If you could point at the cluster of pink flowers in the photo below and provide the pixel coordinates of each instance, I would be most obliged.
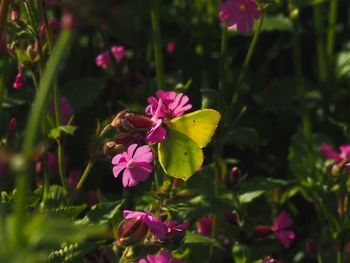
(162, 257)
(239, 14)
(157, 226)
(136, 162)
(103, 60)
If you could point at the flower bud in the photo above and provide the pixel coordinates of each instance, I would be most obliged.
(19, 81)
(111, 148)
(128, 122)
(233, 178)
(15, 14)
(262, 231)
(131, 231)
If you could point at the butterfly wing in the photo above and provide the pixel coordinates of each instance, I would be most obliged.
(179, 155)
(199, 125)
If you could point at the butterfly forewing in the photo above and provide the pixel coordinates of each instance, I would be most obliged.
(199, 125)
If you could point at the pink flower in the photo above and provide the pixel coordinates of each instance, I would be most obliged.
(162, 257)
(205, 225)
(65, 109)
(175, 228)
(103, 60)
(157, 133)
(19, 81)
(118, 53)
(170, 48)
(173, 104)
(155, 224)
(282, 222)
(269, 259)
(240, 13)
(136, 164)
(329, 153)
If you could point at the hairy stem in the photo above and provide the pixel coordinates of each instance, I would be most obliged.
(332, 21)
(4, 7)
(320, 46)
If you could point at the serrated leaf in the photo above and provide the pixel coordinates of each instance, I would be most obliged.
(69, 211)
(102, 213)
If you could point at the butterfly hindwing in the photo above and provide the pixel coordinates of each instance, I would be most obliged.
(179, 155)
(199, 125)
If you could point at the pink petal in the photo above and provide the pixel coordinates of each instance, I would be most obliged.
(282, 221)
(156, 225)
(133, 214)
(345, 151)
(117, 169)
(286, 237)
(143, 154)
(329, 153)
(131, 150)
(118, 158)
(128, 181)
(156, 134)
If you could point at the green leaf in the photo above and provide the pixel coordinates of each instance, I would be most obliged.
(55, 133)
(102, 213)
(243, 136)
(277, 23)
(194, 238)
(69, 211)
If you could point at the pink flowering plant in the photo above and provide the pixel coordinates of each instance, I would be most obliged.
(174, 131)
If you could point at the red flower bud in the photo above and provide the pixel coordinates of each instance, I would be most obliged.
(233, 178)
(131, 231)
(129, 122)
(139, 121)
(262, 231)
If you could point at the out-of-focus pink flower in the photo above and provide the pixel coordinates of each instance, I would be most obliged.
(162, 257)
(103, 60)
(205, 225)
(19, 81)
(54, 28)
(73, 179)
(157, 133)
(65, 108)
(51, 2)
(282, 222)
(170, 48)
(269, 259)
(175, 227)
(155, 224)
(118, 53)
(329, 153)
(239, 13)
(173, 104)
(136, 164)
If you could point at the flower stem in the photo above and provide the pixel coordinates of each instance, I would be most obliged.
(85, 174)
(321, 56)
(157, 43)
(332, 21)
(248, 57)
(223, 59)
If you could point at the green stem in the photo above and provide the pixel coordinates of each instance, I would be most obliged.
(157, 43)
(213, 236)
(339, 256)
(320, 46)
(332, 21)
(223, 58)
(85, 174)
(61, 168)
(4, 6)
(248, 57)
